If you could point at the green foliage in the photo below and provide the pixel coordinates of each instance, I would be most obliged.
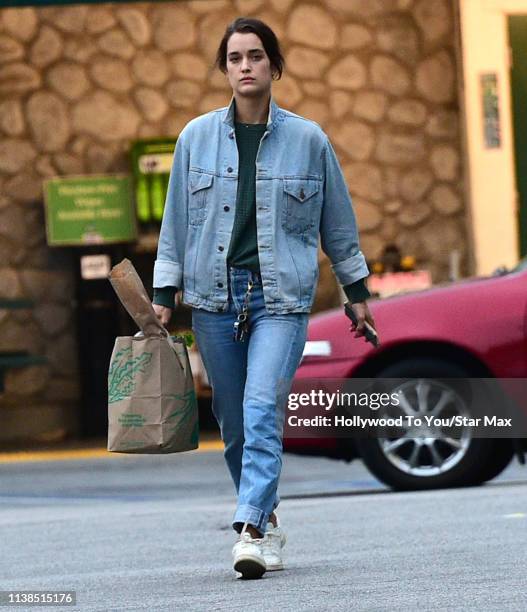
(188, 337)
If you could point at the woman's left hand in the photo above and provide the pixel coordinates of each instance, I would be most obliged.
(363, 315)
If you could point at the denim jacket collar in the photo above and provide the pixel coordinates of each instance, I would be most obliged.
(229, 115)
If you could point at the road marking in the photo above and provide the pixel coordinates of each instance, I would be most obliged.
(86, 453)
(515, 515)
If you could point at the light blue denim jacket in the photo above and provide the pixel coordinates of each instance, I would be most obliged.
(301, 194)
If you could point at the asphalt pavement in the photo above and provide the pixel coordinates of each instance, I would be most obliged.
(153, 533)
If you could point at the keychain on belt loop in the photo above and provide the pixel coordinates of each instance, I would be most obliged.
(241, 325)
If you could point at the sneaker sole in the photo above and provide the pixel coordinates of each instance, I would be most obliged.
(249, 567)
(275, 568)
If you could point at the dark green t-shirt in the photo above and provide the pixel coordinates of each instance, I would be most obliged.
(243, 249)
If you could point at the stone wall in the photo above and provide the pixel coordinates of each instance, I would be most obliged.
(78, 83)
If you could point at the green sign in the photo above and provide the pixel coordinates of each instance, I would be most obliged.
(89, 210)
(151, 165)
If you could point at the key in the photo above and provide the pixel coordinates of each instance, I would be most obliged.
(240, 328)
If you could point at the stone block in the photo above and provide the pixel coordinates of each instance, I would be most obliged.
(116, 42)
(370, 105)
(312, 25)
(15, 153)
(102, 116)
(136, 24)
(48, 121)
(150, 67)
(18, 78)
(436, 78)
(112, 74)
(348, 73)
(68, 79)
(400, 148)
(47, 47)
(11, 117)
(389, 75)
(21, 23)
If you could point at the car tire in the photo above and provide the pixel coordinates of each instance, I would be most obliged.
(500, 457)
(462, 468)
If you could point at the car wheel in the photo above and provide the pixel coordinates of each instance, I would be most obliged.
(435, 458)
(500, 457)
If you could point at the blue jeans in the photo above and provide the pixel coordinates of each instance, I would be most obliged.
(250, 381)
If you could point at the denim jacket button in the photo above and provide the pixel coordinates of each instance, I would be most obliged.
(220, 248)
(229, 169)
(226, 208)
(220, 285)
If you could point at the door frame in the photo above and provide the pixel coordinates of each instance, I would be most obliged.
(517, 27)
(490, 172)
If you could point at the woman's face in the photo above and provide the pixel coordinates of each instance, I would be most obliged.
(248, 66)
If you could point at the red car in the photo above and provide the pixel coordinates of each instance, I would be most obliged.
(472, 329)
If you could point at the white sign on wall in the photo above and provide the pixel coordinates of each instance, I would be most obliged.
(95, 266)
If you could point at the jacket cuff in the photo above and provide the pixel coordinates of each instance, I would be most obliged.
(165, 296)
(351, 270)
(167, 274)
(357, 291)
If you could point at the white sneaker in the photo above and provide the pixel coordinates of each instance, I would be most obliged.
(273, 542)
(248, 555)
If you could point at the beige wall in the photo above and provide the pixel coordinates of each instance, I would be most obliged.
(492, 187)
(78, 83)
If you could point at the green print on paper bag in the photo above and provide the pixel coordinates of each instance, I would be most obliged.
(186, 412)
(129, 419)
(121, 381)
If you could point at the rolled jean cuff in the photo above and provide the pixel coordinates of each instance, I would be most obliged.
(249, 514)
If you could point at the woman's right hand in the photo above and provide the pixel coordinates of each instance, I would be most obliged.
(163, 313)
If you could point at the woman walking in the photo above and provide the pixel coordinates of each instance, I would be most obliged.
(252, 188)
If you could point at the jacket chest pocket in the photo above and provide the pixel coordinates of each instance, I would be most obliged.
(200, 188)
(301, 203)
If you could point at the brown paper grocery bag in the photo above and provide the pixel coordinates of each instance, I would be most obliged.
(152, 405)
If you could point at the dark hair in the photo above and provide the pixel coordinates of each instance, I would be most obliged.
(265, 34)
